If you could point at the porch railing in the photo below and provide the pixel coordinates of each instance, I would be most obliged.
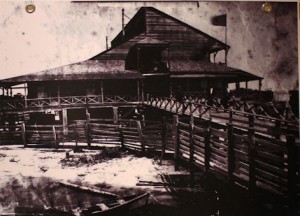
(67, 101)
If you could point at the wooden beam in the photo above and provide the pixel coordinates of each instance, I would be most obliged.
(65, 121)
(138, 90)
(191, 159)
(23, 134)
(142, 92)
(138, 58)
(115, 114)
(176, 140)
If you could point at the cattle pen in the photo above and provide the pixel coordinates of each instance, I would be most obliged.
(258, 153)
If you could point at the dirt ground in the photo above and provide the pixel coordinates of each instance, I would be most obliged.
(32, 176)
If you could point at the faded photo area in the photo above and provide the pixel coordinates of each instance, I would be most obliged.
(149, 108)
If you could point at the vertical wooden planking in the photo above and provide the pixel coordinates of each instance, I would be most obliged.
(292, 176)
(230, 152)
(23, 131)
(176, 140)
(191, 160)
(139, 126)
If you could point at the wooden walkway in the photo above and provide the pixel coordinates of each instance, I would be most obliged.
(264, 124)
(257, 152)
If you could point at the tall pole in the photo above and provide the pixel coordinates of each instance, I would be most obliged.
(226, 51)
(106, 41)
(123, 24)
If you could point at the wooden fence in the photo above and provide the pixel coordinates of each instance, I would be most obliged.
(265, 125)
(244, 157)
(134, 134)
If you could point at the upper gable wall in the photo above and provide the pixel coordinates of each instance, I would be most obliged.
(185, 42)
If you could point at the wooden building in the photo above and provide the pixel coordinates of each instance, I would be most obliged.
(153, 54)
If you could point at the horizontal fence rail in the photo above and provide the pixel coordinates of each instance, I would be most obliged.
(242, 157)
(130, 133)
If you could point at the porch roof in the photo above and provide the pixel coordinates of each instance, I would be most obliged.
(202, 69)
(86, 70)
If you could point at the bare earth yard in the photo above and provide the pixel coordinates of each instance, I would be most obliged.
(32, 176)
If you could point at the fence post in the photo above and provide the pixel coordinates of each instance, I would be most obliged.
(88, 129)
(251, 156)
(75, 135)
(121, 136)
(176, 140)
(23, 131)
(206, 148)
(230, 152)
(230, 116)
(163, 137)
(115, 115)
(54, 137)
(292, 176)
(277, 129)
(139, 126)
(191, 161)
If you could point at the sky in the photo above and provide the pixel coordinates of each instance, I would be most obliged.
(63, 32)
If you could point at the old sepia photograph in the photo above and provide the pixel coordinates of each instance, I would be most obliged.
(149, 108)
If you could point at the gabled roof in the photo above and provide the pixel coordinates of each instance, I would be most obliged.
(139, 24)
(153, 24)
(86, 70)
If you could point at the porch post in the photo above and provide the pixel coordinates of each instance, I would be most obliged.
(58, 95)
(138, 58)
(65, 121)
(25, 94)
(246, 85)
(237, 88)
(170, 88)
(168, 50)
(115, 114)
(138, 90)
(142, 90)
(226, 54)
(215, 54)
